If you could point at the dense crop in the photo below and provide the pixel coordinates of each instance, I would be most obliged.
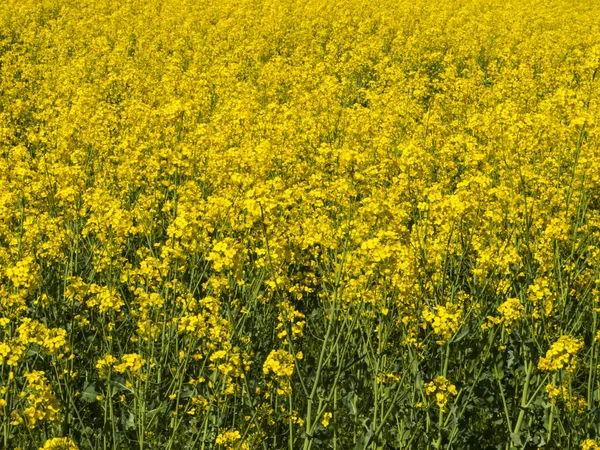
(299, 224)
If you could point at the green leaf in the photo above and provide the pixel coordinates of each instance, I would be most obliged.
(89, 392)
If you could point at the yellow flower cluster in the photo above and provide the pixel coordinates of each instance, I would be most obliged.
(131, 363)
(230, 440)
(590, 444)
(230, 362)
(11, 352)
(573, 402)
(541, 296)
(326, 418)
(222, 255)
(445, 321)
(105, 299)
(289, 317)
(24, 274)
(281, 365)
(511, 312)
(562, 354)
(222, 221)
(51, 340)
(442, 388)
(41, 404)
(59, 444)
(105, 364)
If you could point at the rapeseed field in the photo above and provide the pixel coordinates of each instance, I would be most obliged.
(299, 224)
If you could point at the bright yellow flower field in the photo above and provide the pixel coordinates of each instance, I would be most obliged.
(299, 224)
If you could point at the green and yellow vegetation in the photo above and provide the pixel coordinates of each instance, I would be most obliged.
(299, 224)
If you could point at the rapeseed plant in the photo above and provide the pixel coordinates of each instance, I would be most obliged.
(299, 225)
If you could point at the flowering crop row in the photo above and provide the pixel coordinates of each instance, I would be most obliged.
(299, 224)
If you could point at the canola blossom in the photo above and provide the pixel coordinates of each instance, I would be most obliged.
(299, 224)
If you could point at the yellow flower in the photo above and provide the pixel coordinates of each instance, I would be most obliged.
(445, 321)
(106, 299)
(131, 362)
(562, 354)
(229, 440)
(41, 404)
(51, 340)
(442, 388)
(280, 363)
(590, 444)
(59, 444)
(511, 312)
(105, 364)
